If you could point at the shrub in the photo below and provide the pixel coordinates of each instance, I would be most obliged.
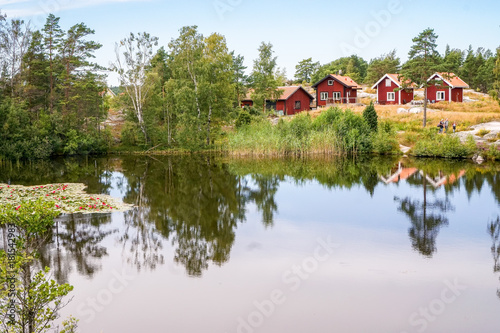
(445, 146)
(371, 117)
(384, 141)
(244, 118)
(482, 132)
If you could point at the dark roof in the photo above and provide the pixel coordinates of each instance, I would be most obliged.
(285, 95)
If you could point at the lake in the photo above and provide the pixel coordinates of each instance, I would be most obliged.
(219, 244)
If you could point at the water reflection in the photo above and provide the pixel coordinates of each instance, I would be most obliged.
(426, 216)
(195, 203)
(494, 231)
(75, 243)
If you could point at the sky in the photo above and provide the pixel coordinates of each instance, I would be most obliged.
(323, 30)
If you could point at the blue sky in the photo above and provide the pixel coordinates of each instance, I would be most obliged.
(322, 29)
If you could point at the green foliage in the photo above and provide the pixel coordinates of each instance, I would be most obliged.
(38, 303)
(264, 80)
(37, 298)
(384, 140)
(334, 131)
(69, 325)
(353, 66)
(371, 117)
(51, 102)
(305, 69)
(482, 132)
(445, 146)
(378, 67)
(495, 92)
(244, 118)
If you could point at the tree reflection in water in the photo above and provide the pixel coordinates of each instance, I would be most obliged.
(196, 202)
(76, 242)
(193, 201)
(494, 231)
(426, 217)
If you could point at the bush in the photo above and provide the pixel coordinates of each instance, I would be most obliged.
(244, 118)
(445, 146)
(371, 117)
(384, 141)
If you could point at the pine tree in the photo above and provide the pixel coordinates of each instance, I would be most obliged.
(423, 62)
(305, 69)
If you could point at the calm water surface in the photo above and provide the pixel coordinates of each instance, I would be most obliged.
(240, 245)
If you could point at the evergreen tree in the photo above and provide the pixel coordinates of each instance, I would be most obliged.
(452, 61)
(423, 62)
(378, 67)
(305, 69)
(371, 117)
(52, 34)
(352, 66)
(496, 83)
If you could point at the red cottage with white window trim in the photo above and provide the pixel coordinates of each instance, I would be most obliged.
(447, 87)
(294, 99)
(336, 89)
(390, 90)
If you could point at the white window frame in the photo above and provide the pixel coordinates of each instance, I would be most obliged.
(391, 96)
(388, 82)
(330, 82)
(323, 95)
(336, 96)
(442, 93)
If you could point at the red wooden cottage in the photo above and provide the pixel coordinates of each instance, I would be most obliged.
(294, 99)
(390, 90)
(336, 89)
(447, 87)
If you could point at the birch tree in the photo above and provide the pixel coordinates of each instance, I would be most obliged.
(186, 53)
(264, 81)
(133, 57)
(217, 80)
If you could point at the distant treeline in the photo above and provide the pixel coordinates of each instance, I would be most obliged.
(53, 97)
(474, 67)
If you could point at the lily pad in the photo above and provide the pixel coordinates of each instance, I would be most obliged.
(65, 198)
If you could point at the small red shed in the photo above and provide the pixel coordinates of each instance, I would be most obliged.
(294, 99)
(447, 87)
(390, 90)
(336, 89)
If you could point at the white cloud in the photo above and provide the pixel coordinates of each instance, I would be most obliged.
(25, 8)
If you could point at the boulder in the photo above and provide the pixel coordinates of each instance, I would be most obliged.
(402, 110)
(491, 136)
(416, 110)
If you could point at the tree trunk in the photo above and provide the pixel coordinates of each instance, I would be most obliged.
(195, 82)
(425, 107)
(208, 123)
